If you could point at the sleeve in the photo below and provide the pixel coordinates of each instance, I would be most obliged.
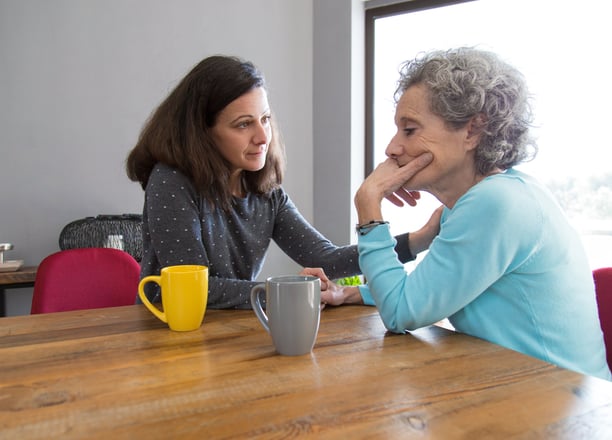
(173, 210)
(309, 248)
(479, 241)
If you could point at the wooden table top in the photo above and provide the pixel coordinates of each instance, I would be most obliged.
(119, 373)
(25, 275)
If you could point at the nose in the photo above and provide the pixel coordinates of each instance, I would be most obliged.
(262, 134)
(394, 148)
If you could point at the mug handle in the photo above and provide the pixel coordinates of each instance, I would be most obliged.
(257, 308)
(151, 279)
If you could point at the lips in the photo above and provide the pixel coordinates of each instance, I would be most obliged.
(260, 151)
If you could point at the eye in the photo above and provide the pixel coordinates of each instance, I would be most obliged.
(266, 119)
(408, 131)
(244, 124)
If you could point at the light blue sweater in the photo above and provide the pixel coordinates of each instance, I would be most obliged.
(506, 267)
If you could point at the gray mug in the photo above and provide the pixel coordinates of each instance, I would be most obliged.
(293, 312)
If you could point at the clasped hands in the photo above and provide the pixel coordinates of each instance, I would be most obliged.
(333, 293)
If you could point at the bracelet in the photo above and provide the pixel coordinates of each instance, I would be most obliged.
(367, 227)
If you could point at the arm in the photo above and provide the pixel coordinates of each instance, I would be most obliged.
(386, 182)
(421, 239)
(309, 248)
(487, 235)
(336, 295)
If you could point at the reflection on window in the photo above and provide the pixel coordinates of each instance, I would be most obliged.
(561, 47)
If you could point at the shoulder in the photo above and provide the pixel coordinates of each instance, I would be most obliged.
(163, 174)
(504, 193)
(503, 202)
(277, 196)
(278, 201)
(169, 185)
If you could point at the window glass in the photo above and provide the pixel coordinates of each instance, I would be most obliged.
(561, 48)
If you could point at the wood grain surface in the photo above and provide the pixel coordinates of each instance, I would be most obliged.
(119, 373)
(25, 275)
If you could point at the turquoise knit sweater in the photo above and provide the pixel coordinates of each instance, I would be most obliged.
(506, 267)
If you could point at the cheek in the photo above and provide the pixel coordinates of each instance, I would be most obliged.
(428, 174)
(222, 139)
(424, 143)
(269, 134)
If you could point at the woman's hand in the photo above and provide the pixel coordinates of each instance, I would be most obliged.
(387, 181)
(319, 273)
(410, 197)
(332, 293)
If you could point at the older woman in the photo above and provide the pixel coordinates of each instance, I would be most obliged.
(506, 265)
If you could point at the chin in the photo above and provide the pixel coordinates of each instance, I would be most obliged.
(254, 168)
(413, 184)
(420, 181)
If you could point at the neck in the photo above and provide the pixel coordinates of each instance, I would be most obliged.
(237, 185)
(450, 193)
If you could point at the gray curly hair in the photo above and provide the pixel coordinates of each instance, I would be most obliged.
(467, 82)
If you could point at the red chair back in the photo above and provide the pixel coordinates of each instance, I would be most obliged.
(85, 278)
(603, 289)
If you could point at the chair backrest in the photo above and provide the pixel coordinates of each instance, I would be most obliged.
(85, 278)
(603, 289)
(96, 232)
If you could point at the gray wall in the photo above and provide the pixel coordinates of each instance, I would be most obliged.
(78, 78)
(338, 118)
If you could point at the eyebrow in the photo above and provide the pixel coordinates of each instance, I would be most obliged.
(405, 119)
(249, 116)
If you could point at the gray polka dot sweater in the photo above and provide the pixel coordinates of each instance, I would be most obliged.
(181, 227)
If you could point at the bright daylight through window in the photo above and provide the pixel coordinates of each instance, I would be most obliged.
(562, 48)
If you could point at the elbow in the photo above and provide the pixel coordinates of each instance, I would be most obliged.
(400, 324)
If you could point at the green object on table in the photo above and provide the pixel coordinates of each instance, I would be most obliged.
(349, 281)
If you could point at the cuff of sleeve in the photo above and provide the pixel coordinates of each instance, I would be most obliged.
(366, 296)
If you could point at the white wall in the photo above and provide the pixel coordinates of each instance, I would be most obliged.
(78, 78)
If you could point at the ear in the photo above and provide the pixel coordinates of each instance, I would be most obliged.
(475, 127)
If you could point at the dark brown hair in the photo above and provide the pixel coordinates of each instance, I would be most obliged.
(178, 132)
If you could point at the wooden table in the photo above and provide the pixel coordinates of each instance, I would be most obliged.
(24, 277)
(119, 373)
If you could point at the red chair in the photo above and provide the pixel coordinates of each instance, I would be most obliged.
(603, 290)
(85, 278)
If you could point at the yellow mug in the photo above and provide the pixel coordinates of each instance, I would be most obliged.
(184, 293)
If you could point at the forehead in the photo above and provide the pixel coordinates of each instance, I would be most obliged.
(252, 103)
(413, 103)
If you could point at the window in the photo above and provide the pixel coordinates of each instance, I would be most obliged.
(561, 48)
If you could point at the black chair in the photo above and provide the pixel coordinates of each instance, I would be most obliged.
(119, 231)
